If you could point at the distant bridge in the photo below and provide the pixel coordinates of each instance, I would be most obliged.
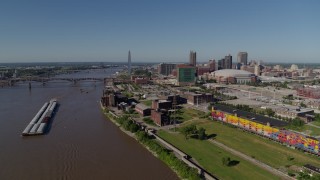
(74, 80)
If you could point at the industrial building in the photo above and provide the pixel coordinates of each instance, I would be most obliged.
(198, 98)
(108, 97)
(161, 104)
(179, 99)
(271, 122)
(143, 109)
(160, 118)
(309, 92)
(292, 112)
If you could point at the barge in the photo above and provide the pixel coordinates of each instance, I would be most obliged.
(40, 121)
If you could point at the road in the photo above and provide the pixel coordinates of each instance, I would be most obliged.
(252, 160)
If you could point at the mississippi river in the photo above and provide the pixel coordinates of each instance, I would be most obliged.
(81, 143)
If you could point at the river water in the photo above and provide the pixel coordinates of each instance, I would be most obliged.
(81, 144)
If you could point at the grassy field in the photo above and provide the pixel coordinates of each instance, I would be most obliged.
(267, 151)
(317, 123)
(309, 130)
(210, 157)
(149, 121)
(186, 114)
(147, 102)
(313, 131)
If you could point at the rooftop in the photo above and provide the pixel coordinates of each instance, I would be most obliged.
(232, 73)
(248, 115)
(142, 106)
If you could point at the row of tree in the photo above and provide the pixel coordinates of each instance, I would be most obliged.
(184, 171)
(165, 155)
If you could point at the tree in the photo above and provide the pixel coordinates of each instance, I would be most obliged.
(226, 161)
(189, 130)
(126, 124)
(303, 105)
(133, 127)
(297, 122)
(317, 117)
(202, 133)
(270, 112)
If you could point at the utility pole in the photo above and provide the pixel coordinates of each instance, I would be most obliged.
(197, 101)
(174, 104)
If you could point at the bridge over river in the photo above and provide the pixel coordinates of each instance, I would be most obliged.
(12, 81)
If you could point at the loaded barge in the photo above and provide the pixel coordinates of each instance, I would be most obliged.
(40, 121)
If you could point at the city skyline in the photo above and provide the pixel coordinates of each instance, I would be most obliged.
(79, 31)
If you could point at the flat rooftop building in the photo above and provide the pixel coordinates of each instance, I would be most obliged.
(254, 117)
(143, 109)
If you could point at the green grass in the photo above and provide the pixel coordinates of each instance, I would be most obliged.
(149, 121)
(314, 131)
(317, 123)
(309, 130)
(267, 151)
(186, 114)
(210, 157)
(147, 102)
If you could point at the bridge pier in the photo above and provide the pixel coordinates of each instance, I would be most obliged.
(10, 82)
(29, 85)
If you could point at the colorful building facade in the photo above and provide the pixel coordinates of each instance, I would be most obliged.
(288, 137)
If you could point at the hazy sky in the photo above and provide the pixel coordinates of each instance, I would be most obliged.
(158, 30)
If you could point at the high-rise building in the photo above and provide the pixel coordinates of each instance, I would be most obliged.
(186, 74)
(242, 58)
(257, 70)
(193, 58)
(221, 64)
(166, 69)
(212, 65)
(129, 63)
(228, 62)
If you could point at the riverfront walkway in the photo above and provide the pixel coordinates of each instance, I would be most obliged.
(252, 160)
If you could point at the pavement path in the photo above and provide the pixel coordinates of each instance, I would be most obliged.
(252, 160)
(313, 125)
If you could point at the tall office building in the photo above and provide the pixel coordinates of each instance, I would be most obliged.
(129, 63)
(166, 69)
(228, 62)
(186, 75)
(257, 70)
(212, 65)
(193, 58)
(242, 58)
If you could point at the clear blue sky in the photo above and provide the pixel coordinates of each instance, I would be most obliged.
(158, 30)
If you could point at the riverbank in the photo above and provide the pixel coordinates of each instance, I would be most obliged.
(166, 155)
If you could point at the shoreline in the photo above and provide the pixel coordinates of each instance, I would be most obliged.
(132, 135)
